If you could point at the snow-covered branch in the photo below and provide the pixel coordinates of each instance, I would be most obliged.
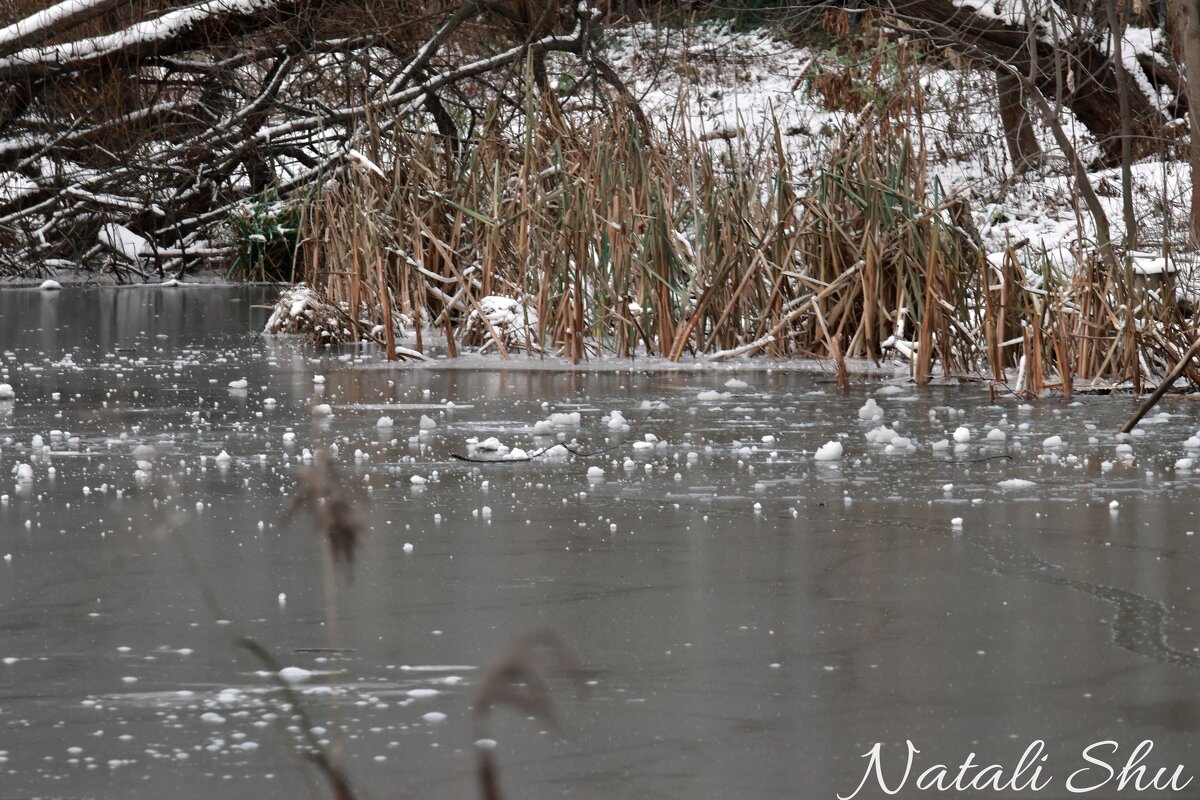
(50, 22)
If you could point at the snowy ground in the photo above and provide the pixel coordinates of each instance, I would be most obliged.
(727, 86)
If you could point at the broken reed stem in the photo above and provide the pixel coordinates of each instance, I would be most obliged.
(1163, 386)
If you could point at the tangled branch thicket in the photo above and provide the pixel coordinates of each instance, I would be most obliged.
(135, 135)
(480, 171)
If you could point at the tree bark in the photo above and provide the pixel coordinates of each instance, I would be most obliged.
(1116, 25)
(1019, 136)
(1188, 16)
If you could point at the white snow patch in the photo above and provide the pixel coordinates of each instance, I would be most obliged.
(881, 435)
(830, 451)
(295, 674)
(492, 444)
(870, 410)
(123, 241)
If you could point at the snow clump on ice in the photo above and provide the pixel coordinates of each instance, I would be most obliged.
(870, 410)
(830, 451)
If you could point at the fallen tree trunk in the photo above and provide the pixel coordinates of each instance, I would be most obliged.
(1072, 69)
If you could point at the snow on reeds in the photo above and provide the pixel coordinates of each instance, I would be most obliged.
(568, 231)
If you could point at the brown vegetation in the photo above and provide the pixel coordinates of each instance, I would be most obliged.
(479, 170)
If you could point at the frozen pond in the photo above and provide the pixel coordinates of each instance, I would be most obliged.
(751, 620)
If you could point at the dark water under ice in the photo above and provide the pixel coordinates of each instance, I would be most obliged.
(751, 621)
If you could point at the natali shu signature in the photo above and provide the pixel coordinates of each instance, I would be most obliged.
(1100, 767)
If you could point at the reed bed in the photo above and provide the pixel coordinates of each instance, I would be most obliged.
(554, 231)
